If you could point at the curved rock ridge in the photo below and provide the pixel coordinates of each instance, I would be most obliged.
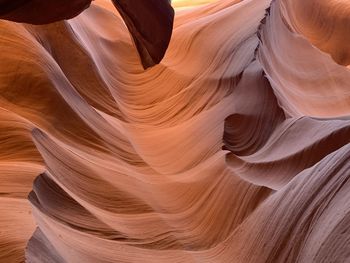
(235, 148)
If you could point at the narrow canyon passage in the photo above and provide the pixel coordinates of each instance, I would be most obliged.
(234, 147)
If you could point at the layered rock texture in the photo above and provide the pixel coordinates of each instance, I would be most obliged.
(232, 148)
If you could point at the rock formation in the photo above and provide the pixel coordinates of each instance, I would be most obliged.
(235, 148)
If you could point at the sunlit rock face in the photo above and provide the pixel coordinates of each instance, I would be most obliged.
(234, 147)
(186, 4)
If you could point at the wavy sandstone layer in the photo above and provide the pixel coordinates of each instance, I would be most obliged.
(235, 148)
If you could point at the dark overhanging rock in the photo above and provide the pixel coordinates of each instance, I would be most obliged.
(150, 22)
(40, 12)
